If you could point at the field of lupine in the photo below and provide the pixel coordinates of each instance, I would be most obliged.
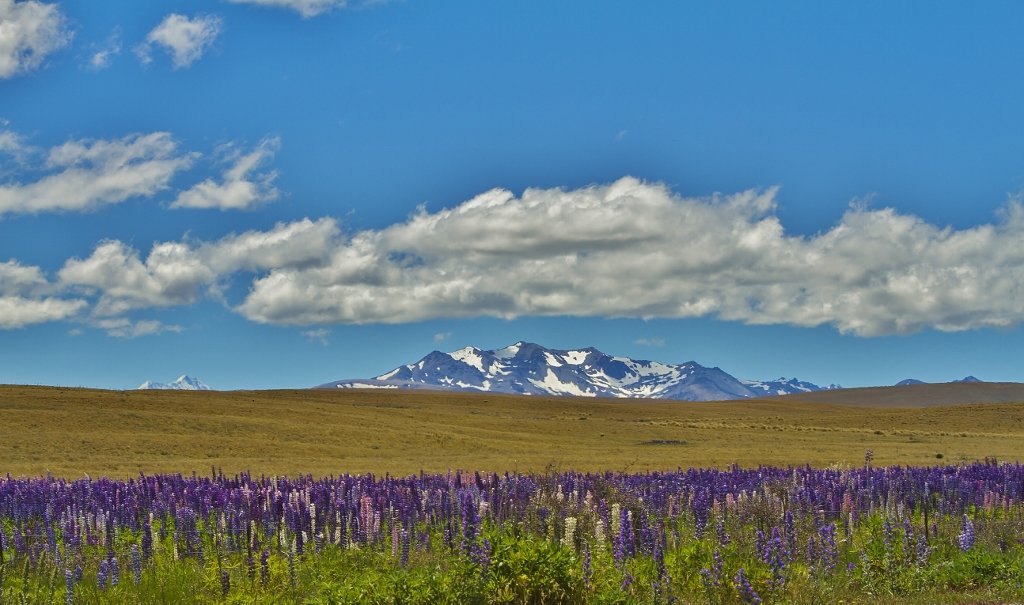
(735, 535)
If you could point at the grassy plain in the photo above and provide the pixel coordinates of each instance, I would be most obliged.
(70, 432)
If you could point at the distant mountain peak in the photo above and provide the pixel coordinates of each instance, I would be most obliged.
(909, 381)
(183, 383)
(531, 369)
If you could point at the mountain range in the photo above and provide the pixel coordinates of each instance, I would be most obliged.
(531, 369)
(183, 383)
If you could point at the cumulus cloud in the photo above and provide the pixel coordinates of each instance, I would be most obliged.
(306, 8)
(84, 174)
(625, 249)
(242, 184)
(26, 298)
(29, 31)
(185, 39)
(176, 273)
(297, 245)
(635, 249)
(18, 311)
(121, 327)
(172, 274)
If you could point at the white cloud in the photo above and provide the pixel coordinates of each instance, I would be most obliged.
(176, 273)
(171, 275)
(242, 185)
(25, 298)
(627, 249)
(18, 279)
(121, 327)
(29, 31)
(103, 55)
(650, 342)
(185, 39)
(634, 249)
(306, 8)
(319, 335)
(18, 311)
(442, 336)
(84, 174)
(294, 245)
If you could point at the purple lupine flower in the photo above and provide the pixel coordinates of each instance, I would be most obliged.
(715, 573)
(265, 567)
(225, 582)
(720, 533)
(485, 558)
(136, 564)
(101, 575)
(790, 525)
(587, 571)
(627, 581)
(250, 566)
(774, 553)
(829, 552)
(115, 572)
(966, 537)
(404, 559)
(147, 539)
(69, 583)
(746, 591)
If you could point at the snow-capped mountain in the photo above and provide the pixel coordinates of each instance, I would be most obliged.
(530, 369)
(183, 383)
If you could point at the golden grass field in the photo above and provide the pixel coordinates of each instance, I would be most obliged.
(72, 432)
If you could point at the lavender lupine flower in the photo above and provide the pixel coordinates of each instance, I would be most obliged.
(745, 589)
(265, 567)
(78, 573)
(136, 564)
(966, 537)
(115, 572)
(225, 582)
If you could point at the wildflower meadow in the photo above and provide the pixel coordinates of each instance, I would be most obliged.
(738, 535)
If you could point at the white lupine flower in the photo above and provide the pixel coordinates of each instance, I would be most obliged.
(569, 539)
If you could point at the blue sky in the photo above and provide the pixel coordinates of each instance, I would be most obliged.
(280, 193)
